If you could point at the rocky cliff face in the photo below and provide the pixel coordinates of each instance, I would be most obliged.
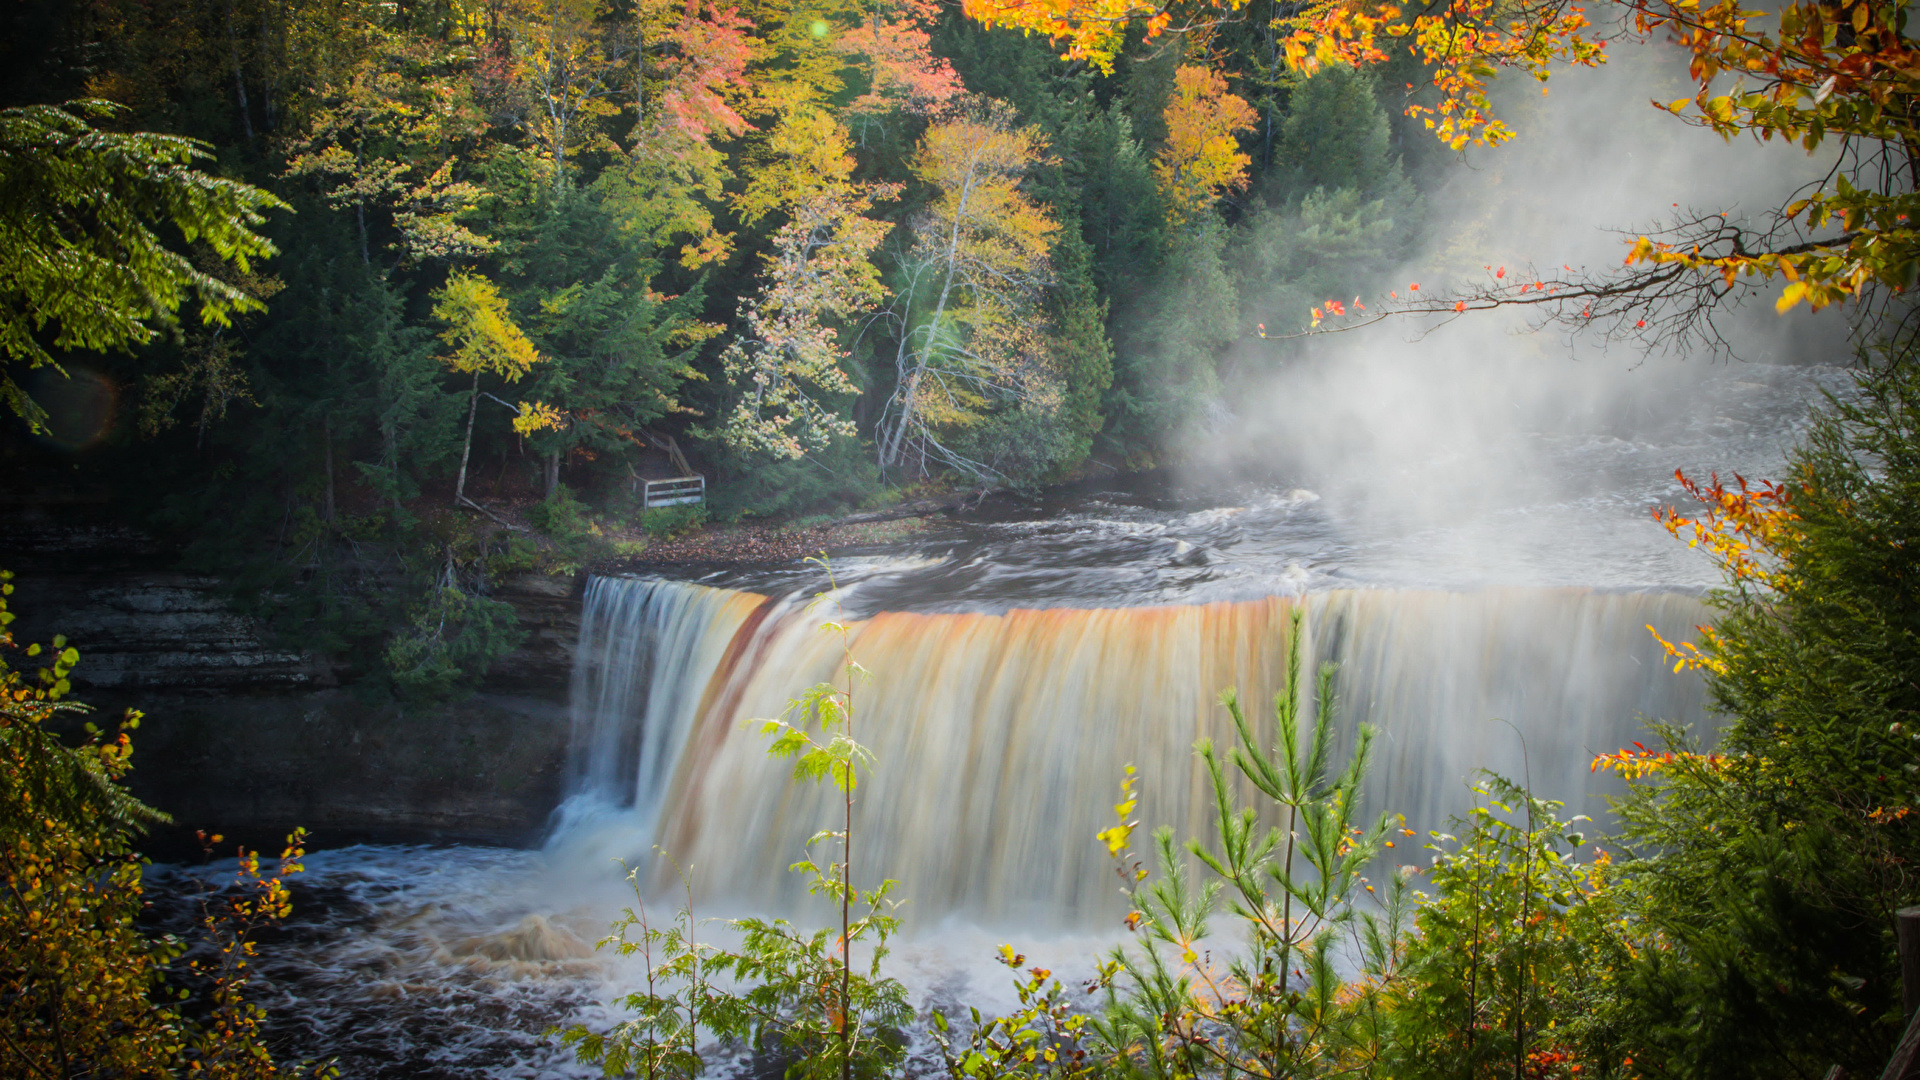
(249, 738)
(139, 624)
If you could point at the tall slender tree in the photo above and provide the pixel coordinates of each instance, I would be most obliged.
(485, 340)
(787, 367)
(970, 309)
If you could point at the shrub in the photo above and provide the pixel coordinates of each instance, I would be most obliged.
(453, 640)
(82, 991)
(1510, 951)
(667, 522)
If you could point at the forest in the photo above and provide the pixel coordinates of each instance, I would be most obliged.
(823, 252)
(365, 306)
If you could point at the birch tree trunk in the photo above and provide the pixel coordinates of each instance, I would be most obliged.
(466, 448)
(890, 454)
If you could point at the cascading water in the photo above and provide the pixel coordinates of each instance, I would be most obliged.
(1001, 737)
(1022, 658)
(645, 654)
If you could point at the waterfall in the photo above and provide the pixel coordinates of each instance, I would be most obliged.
(1001, 739)
(647, 650)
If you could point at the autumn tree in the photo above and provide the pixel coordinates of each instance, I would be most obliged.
(574, 63)
(970, 311)
(384, 140)
(485, 341)
(1201, 159)
(692, 63)
(893, 47)
(798, 63)
(787, 367)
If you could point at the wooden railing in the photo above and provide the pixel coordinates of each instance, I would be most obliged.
(674, 492)
(1905, 1064)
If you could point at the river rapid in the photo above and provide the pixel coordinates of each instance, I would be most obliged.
(1024, 655)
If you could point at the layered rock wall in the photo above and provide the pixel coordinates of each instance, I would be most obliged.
(247, 737)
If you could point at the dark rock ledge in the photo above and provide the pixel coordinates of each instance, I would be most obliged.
(247, 738)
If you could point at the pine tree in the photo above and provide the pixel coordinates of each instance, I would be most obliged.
(90, 224)
(1080, 347)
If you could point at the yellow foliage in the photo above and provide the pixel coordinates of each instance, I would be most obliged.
(809, 160)
(1201, 158)
(980, 261)
(574, 68)
(1092, 30)
(537, 416)
(482, 333)
(819, 276)
(1118, 836)
(81, 988)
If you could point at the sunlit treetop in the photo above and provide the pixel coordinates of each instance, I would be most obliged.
(482, 333)
(1090, 30)
(1201, 158)
(1464, 42)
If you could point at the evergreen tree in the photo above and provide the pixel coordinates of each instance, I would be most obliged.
(615, 351)
(1331, 245)
(1336, 136)
(1168, 376)
(90, 223)
(1080, 347)
(1771, 870)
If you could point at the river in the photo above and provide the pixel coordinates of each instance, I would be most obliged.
(1486, 605)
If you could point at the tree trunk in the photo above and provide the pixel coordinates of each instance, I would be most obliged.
(466, 448)
(272, 80)
(552, 472)
(1273, 73)
(390, 440)
(890, 454)
(239, 80)
(326, 437)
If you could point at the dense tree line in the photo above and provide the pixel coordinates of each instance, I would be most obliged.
(822, 248)
(880, 248)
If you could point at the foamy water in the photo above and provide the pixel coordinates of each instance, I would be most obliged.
(451, 963)
(1022, 660)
